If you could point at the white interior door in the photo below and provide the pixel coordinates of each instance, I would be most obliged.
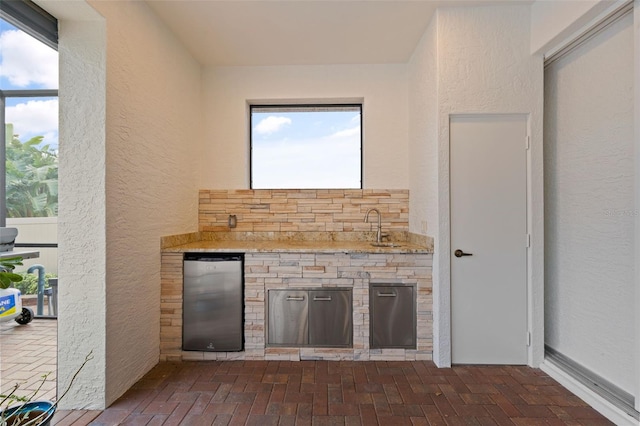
(489, 222)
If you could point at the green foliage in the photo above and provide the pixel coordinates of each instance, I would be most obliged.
(32, 177)
(29, 283)
(7, 276)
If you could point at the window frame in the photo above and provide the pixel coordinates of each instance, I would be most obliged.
(310, 105)
(32, 19)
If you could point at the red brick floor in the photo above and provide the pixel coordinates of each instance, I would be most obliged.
(27, 353)
(306, 392)
(341, 393)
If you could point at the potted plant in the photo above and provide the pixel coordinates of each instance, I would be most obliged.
(10, 300)
(28, 411)
(36, 413)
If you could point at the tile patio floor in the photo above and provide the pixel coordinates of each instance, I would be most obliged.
(314, 392)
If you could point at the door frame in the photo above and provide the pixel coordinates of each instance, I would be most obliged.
(535, 253)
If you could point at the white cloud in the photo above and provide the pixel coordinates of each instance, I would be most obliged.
(35, 118)
(27, 61)
(347, 133)
(271, 124)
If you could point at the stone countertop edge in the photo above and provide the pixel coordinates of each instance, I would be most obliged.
(195, 242)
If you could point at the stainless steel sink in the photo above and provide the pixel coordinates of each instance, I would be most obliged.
(386, 244)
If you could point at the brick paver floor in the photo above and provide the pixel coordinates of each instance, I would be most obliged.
(306, 392)
(346, 393)
(27, 352)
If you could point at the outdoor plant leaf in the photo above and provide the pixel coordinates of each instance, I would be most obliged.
(9, 263)
(7, 276)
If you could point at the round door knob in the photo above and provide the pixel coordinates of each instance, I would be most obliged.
(460, 253)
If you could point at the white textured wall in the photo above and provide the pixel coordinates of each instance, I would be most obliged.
(225, 157)
(423, 134)
(153, 131)
(589, 203)
(82, 210)
(483, 66)
(636, 112)
(130, 128)
(423, 146)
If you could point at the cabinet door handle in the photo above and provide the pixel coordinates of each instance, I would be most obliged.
(386, 294)
(322, 298)
(295, 298)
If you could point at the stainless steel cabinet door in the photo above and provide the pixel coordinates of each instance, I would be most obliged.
(330, 318)
(393, 316)
(288, 317)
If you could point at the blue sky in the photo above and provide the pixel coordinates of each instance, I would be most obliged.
(306, 149)
(26, 63)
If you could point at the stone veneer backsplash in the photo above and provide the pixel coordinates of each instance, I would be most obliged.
(302, 210)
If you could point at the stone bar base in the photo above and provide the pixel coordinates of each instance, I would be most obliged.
(265, 271)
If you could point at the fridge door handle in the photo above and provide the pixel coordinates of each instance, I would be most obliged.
(295, 298)
(386, 294)
(322, 298)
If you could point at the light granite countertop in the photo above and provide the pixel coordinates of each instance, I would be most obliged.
(292, 243)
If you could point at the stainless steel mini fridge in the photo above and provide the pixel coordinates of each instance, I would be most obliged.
(213, 305)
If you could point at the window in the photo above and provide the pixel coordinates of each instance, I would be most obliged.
(306, 146)
(29, 116)
(29, 136)
(28, 111)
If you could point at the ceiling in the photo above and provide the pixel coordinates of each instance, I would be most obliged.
(297, 32)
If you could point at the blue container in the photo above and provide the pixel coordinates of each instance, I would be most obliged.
(28, 411)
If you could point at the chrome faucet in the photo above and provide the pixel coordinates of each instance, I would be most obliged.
(366, 219)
